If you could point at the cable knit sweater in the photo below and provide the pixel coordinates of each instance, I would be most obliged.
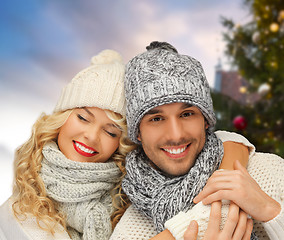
(266, 169)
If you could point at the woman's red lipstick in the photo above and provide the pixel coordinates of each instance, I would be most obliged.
(84, 150)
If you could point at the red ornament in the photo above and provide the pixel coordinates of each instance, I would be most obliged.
(240, 123)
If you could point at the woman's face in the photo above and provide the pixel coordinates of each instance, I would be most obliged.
(88, 135)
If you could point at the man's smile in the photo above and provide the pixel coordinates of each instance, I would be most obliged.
(176, 151)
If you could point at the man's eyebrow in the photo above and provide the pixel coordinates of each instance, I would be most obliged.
(153, 111)
(186, 105)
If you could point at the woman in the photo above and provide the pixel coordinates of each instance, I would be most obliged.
(67, 175)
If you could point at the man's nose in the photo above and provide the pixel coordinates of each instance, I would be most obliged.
(174, 130)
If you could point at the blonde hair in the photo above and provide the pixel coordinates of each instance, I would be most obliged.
(29, 191)
(120, 200)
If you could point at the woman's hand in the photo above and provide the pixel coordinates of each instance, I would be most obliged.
(238, 186)
(237, 226)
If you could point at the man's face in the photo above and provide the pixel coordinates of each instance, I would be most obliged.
(172, 135)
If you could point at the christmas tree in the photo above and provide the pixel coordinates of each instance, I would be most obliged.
(256, 48)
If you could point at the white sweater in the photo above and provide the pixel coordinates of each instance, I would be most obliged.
(266, 169)
(25, 229)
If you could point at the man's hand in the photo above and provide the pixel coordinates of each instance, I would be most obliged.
(239, 187)
(237, 226)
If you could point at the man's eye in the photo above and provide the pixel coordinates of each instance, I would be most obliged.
(156, 119)
(186, 114)
(82, 118)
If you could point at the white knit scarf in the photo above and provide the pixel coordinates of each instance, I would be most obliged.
(161, 197)
(82, 191)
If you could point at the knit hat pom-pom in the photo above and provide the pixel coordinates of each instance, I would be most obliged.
(106, 56)
(161, 45)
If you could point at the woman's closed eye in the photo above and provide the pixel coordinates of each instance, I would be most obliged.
(82, 118)
(112, 134)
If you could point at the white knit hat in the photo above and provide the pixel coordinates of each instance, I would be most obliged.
(100, 85)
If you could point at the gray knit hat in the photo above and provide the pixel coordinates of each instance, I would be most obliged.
(161, 76)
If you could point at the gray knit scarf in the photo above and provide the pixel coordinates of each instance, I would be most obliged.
(160, 197)
(82, 191)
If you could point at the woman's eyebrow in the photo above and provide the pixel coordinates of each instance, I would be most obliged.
(90, 113)
(114, 125)
(108, 124)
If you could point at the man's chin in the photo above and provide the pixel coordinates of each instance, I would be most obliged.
(174, 173)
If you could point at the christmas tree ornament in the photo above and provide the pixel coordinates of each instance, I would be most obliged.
(256, 37)
(264, 89)
(281, 16)
(240, 122)
(243, 89)
(274, 27)
(274, 64)
(257, 121)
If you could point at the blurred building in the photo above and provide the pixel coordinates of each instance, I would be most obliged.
(231, 84)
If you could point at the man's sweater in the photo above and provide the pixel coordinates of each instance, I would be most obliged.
(266, 169)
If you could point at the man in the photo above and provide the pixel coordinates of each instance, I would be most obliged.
(170, 115)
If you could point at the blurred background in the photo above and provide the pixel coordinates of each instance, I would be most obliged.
(44, 43)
